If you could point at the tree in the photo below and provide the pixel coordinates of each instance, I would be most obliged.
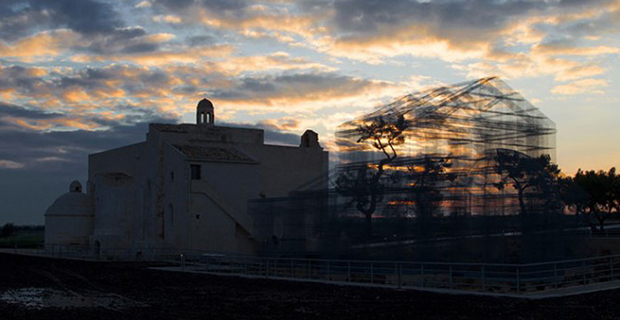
(572, 195)
(424, 179)
(603, 189)
(527, 174)
(7, 230)
(362, 182)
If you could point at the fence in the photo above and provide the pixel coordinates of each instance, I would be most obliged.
(521, 279)
(107, 254)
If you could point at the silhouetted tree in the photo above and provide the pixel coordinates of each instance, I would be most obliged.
(572, 195)
(424, 180)
(7, 230)
(603, 189)
(527, 174)
(362, 183)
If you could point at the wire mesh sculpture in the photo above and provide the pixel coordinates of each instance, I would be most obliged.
(456, 162)
(468, 127)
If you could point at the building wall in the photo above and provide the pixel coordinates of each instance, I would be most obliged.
(176, 219)
(218, 223)
(284, 169)
(138, 204)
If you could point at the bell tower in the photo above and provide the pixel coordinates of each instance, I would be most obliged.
(205, 112)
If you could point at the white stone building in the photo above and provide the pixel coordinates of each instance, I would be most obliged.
(186, 187)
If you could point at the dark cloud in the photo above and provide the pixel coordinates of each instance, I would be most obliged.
(456, 20)
(200, 40)
(223, 7)
(370, 17)
(98, 22)
(51, 160)
(20, 78)
(130, 79)
(11, 110)
(88, 17)
(291, 86)
(126, 40)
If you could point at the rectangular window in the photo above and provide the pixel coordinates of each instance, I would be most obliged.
(195, 171)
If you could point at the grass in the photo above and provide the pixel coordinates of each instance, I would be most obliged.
(23, 239)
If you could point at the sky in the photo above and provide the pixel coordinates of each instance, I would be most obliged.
(82, 76)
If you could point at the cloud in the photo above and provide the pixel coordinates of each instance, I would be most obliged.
(285, 124)
(40, 45)
(8, 164)
(585, 86)
(566, 48)
(38, 148)
(88, 17)
(290, 88)
(167, 19)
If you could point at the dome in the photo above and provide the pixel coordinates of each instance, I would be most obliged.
(75, 186)
(71, 204)
(204, 103)
(70, 219)
(205, 112)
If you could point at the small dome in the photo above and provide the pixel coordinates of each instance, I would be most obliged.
(75, 186)
(204, 103)
(205, 113)
(71, 204)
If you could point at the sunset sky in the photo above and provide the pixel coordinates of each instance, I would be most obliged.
(82, 76)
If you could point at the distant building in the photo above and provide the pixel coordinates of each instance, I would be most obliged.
(186, 187)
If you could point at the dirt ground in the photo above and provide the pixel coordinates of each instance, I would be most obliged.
(131, 291)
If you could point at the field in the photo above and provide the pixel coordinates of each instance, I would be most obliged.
(24, 238)
(61, 289)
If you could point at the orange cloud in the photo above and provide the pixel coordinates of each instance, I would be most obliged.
(167, 19)
(40, 45)
(585, 86)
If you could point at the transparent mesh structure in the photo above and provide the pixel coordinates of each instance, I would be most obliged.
(448, 173)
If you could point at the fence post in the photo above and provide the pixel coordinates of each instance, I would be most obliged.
(267, 268)
(483, 278)
(422, 275)
(555, 274)
(371, 272)
(400, 272)
(518, 280)
(451, 283)
(583, 269)
(611, 268)
(329, 275)
(349, 271)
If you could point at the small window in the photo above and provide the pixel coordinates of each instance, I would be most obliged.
(195, 171)
(171, 175)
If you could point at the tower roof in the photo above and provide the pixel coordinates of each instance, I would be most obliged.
(205, 103)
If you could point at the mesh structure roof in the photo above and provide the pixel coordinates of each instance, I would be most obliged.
(463, 120)
(456, 131)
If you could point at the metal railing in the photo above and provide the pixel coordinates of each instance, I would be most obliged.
(521, 279)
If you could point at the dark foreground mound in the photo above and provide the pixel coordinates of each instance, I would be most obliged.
(90, 290)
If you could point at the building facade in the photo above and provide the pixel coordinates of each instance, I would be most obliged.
(187, 187)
